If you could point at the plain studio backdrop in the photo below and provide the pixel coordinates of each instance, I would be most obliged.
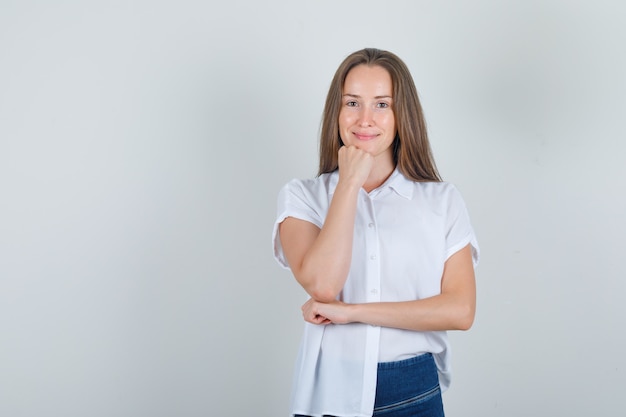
(143, 144)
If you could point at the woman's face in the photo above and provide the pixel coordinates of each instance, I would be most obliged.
(366, 118)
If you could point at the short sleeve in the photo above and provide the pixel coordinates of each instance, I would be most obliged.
(294, 200)
(459, 231)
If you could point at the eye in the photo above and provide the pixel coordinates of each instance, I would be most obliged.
(382, 105)
(351, 103)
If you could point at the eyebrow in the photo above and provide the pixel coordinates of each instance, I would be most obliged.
(357, 96)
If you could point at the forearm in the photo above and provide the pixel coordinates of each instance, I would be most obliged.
(326, 264)
(441, 312)
(451, 311)
(320, 258)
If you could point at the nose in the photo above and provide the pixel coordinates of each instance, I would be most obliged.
(366, 117)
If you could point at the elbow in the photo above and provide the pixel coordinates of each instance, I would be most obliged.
(465, 318)
(323, 294)
(320, 289)
(465, 324)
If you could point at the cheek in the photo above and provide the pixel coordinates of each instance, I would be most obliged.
(390, 122)
(390, 116)
(344, 122)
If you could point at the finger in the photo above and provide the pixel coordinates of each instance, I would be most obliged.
(309, 314)
(320, 320)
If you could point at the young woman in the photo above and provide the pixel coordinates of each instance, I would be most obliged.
(383, 247)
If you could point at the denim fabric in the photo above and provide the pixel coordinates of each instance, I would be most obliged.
(408, 388)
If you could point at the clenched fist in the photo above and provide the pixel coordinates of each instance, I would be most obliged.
(355, 165)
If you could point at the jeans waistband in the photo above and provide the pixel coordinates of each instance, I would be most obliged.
(382, 366)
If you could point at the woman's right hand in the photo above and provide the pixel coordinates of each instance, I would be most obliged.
(355, 165)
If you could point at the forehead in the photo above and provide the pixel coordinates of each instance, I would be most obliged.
(365, 80)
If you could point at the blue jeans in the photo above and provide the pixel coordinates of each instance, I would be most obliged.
(408, 388)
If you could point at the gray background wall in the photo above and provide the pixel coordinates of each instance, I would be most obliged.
(142, 145)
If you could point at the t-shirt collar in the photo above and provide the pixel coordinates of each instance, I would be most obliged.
(396, 181)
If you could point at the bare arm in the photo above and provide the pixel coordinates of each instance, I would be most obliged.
(320, 258)
(453, 309)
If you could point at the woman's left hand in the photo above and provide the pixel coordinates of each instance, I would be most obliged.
(325, 313)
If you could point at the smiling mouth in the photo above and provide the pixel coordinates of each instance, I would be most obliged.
(361, 136)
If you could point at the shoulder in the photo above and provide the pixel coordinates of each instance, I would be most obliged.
(322, 184)
(438, 197)
(306, 199)
(441, 190)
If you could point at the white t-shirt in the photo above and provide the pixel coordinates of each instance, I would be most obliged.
(403, 234)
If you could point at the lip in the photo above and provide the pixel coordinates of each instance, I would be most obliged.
(365, 136)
